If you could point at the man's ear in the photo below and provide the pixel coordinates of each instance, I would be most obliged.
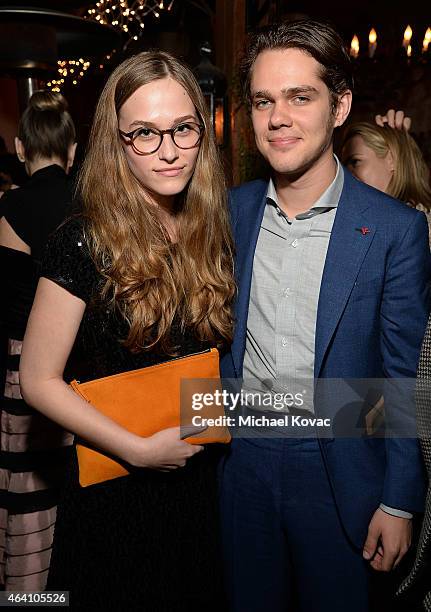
(71, 156)
(19, 148)
(344, 105)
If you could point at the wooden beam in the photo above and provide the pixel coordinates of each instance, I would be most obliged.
(230, 35)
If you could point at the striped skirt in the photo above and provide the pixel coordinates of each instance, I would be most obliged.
(34, 454)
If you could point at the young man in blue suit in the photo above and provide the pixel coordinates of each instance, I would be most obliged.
(332, 284)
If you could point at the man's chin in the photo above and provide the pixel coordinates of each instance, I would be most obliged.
(287, 163)
(287, 168)
(295, 168)
(292, 171)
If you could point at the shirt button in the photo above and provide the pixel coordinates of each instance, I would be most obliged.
(295, 243)
(284, 342)
(286, 292)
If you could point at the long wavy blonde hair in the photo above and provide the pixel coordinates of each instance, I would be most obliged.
(149, 279)
(410, 181)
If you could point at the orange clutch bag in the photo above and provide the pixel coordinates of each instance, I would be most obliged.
(148, 400)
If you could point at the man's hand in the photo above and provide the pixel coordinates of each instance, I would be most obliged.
(389, 538)
(395, 119)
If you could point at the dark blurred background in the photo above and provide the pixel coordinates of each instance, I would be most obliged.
(389, 79)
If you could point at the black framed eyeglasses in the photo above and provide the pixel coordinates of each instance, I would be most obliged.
(146, 140)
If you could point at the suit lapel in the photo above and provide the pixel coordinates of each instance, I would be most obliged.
(246, 234)
(351, 237)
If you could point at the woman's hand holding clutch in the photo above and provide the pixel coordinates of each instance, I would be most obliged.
(164, 450)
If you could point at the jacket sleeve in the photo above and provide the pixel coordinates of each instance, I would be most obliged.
(404, 314)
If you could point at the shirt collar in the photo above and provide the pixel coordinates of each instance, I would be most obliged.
(329, 198)
(51, 170)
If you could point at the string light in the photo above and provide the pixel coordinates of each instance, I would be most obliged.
(69, 70)
(125, 15)
(128, 15)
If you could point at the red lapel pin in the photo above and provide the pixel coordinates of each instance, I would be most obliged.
(364, 230)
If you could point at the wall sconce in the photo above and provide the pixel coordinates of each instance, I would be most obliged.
(354, 47)
(372, 43)
(408, 33)
(427, 40)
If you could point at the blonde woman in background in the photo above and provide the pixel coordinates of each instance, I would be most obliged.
(415, 591)
(416, 588)
(389, 160)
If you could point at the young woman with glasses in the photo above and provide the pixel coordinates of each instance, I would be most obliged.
(143, 276)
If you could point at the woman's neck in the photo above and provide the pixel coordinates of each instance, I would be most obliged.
(165, 204)
(40, 163)
(166, 212)
(169, 222)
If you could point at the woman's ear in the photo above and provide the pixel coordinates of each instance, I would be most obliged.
(19, 148)
(390, 161)
(71, 156)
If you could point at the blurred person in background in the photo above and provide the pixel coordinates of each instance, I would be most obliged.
(11, 173)
(385, 156)
(33, 448)
(395, 119)
(6, 181)
(417, 586)
(389, 160)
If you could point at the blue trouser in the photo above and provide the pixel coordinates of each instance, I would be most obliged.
(282, 537)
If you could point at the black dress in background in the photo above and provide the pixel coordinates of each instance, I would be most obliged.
(34, 450)
(148, 541)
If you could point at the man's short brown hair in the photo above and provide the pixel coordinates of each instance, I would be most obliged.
(316, 38)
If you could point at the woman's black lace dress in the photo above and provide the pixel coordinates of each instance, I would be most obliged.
(148, 541)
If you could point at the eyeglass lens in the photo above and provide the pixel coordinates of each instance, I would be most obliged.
(185, 136)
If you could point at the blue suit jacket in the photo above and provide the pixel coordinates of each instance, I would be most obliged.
(372, 313)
